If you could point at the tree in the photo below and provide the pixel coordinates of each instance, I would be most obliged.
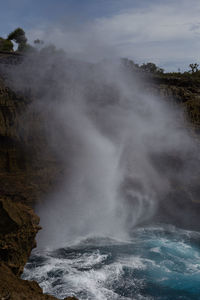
(130, 64)
(151, 68)
(6, 45)
(19, 37)
(194, 68)
(38, 42)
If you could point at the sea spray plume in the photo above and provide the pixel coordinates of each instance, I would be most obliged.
(114, 140)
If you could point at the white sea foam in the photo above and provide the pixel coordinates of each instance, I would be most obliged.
(105, 269)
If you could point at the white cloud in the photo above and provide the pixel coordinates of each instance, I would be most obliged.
(161, 33)
(160, 23)
(167, 34)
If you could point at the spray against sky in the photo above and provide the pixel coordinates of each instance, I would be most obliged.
(122, 149)
(164, 32)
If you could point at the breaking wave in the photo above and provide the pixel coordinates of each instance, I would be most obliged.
(158, 262)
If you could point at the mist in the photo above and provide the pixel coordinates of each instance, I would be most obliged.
(123, 149)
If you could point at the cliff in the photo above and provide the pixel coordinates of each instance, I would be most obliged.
(30, 169)
(27, 171)
(26, 163)
(183, 90)
(18, 227)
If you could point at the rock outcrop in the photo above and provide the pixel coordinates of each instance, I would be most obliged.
(183, 91)
(18, 228)
(27, 164)
(14, 288)
(28, 169)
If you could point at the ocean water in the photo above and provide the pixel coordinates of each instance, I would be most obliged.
(157, 262)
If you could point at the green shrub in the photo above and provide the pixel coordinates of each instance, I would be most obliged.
(19, 37)
(6, 45)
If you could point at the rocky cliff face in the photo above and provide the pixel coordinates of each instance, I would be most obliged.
(27, 171)
(26, 163)
(182, 91)
(28, 168)
(18, 227)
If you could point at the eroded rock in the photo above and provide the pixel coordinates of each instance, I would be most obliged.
(18, 228)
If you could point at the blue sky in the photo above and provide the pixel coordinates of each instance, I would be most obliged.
(27, 12)
(165, 32)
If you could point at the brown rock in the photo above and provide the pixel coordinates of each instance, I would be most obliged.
(27, 171)
(18, 227)
(27, 162)
(14, 288)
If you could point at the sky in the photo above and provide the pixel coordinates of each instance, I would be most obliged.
(164, 32)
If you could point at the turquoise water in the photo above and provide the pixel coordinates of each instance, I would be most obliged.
(158, 262)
